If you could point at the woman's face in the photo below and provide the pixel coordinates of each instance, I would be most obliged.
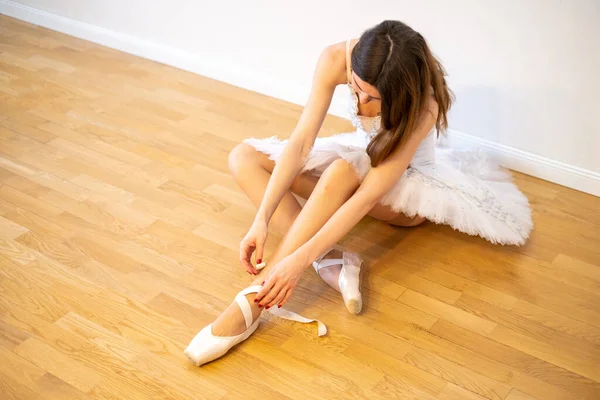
(366, 93)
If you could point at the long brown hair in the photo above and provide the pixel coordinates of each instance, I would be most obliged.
(397, 61)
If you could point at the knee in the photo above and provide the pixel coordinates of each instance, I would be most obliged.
(240, 157)
(340, 175)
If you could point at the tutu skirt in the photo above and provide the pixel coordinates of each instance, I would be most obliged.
(460, 188)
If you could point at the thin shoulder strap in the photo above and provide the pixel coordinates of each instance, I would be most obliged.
(348, 67)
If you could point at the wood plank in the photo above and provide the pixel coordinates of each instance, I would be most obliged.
(447, 312)
(456, 374)
(10, 229)
(518, 395)
(518, 360)
(119, 236)
(77, 374)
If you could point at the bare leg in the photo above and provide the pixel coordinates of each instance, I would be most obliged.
(252, 171)
(331, 274)
(337, 184)
(334, 188)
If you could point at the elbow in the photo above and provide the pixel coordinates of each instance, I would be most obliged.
(304, 148)
(297, 148)
(372, 203)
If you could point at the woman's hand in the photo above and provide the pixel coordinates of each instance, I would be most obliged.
(253, 241)
(281, 282)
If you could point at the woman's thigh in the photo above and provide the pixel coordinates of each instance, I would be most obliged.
(387, 214)
(304, 184)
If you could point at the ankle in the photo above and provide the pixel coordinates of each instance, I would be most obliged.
(256, 310)
(331, 275)
(334, 253)
(232, 322)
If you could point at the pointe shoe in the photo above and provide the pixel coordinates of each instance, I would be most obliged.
(349, 279)
(206, 347)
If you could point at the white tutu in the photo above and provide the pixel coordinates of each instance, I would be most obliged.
(460, 188)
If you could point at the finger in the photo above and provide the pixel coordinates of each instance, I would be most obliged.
(273, 293)
(253, 270)
(269, 283)
(286, 297)
(259, 251)
(279, 297)
(246, 250)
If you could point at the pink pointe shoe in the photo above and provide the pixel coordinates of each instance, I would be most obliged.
(349, 279)
(206, 347)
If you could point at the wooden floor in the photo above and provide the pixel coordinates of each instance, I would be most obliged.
(119, 229)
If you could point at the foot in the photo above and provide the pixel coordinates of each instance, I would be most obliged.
(331, 274)
(350, 282)
(342, 271)
(231, 321)
(216, 339)
(209, 345)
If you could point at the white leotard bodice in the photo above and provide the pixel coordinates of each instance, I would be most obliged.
(369, 126)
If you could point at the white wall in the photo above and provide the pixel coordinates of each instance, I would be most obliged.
(525, 72)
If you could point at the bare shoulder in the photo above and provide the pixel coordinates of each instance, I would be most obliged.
(428, 118)
(337, 51)
(332, 62)
(432, 107)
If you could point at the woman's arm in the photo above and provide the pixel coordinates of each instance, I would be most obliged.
(303, 137)
(283, 278)
(377, 183)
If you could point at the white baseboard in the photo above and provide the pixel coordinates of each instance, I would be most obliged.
(531, 164)
(231, 73)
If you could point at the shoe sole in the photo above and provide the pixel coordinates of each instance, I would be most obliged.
(355, 305)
